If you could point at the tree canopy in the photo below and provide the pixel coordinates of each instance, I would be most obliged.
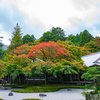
(51, 54)
(53, 35)
(80, 39)
(85, 37)
(1, 51)
(93, 73)
(94, 45)
(48, 50)
(27, 38)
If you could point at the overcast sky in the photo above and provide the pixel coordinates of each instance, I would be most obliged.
(38, 16)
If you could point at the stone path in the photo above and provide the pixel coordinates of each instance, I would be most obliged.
(64, 94)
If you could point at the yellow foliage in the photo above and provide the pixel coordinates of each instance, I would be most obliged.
(98, 91)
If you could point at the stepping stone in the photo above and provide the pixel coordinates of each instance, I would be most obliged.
(69, 90)
(42, 94)
(10, 94)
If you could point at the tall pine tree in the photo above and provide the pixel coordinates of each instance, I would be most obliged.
(1, 50)
(16, 38)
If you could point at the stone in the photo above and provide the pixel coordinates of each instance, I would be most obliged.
(10, 94)
(42, 94)
(69, 89)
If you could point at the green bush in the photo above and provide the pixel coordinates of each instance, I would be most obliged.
(93, 92)
(84, 93)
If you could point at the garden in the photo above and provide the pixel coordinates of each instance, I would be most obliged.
(56, 57)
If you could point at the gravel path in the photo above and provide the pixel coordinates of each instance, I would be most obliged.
(63, 94)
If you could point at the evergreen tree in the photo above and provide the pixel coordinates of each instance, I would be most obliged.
(72, 38)
(16, 38)
(93, 73)
(80, 39)
(85, 37)
(1, 51)
(58, 33)
(27, 38)
(54, 34)
(77, 38)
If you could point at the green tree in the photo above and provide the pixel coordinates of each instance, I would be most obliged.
(77, 38)
(17, 65)
(80, 39)
(44, 67)
(75, 51)
(74, 39)
(94, 45)
(1, 51)
(58, 33)
(47, 36)
(71, 38)
(3, 69)
(85, 37)
(93, 73)
(27, 38)
(16, 38)
(53, 35)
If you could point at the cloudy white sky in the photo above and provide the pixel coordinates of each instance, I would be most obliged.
(38, 16)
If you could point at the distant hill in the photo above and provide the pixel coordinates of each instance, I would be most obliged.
(4, 47)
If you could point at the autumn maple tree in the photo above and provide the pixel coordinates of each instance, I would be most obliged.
(44, 67)
(48, 51)
(56, 58)
(94, 45)
(19, 65)
(76, 52)
(3, 69)
(23, 49)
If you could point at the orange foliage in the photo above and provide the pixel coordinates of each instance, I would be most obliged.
(24, 49)
(28, 68)
(48, 50)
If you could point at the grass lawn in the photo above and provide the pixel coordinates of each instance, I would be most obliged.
(47, 88)
(18, 86)
(36, 89)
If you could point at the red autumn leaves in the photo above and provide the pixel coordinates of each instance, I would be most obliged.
(48, 50)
